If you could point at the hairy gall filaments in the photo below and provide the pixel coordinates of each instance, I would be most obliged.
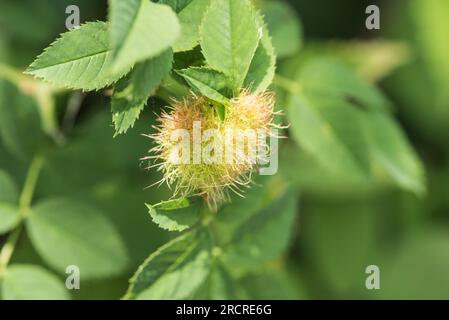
(203, 153)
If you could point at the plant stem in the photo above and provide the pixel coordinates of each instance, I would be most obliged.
(30, 184)
(11, 74)
(25, 199)
(287, 84)
(47, 108)
(42, 93)
(8, 249)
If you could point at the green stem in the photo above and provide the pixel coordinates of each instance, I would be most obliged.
(42, 93)
(11, 74)
(8, 249)
(30, 184)
(287, 84)
(47, 109)
(24, 206)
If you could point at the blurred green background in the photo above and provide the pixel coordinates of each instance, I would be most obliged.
(341, 227)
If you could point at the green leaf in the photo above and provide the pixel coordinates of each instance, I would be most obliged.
(266, 285)
(190, 17)
(263, 66)
(373, 60)
(221, 112)
(67, 232)
(8, 188)
(227, 222)
(177, 5)
(229, 37)
(431, 37)
(19, 117)
(330, 130)
(332, 78)
(114, 186)
(342, 122)
(29, 282)
(132, 92)
(340, 237)
(174, 271)
(9, 216)
(392, 151)
(218, 286)
(265, 235)
(175, 215)
(79, 59)
(425, 250)
(314, 178)
(9, 195)
(187, 59)
(207, 82)
(284, 27)
(140, 30)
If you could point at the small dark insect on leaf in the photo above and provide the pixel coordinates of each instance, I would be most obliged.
(356, 102)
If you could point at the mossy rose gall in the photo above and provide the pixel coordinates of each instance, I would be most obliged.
(208, 149)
